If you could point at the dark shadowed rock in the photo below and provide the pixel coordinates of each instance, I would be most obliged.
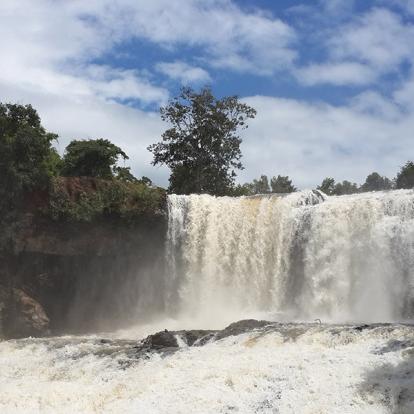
(163, 339)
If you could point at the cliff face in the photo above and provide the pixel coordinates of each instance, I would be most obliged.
(59, 276)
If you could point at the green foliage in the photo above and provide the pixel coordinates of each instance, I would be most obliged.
(375, 182)
(94, 199)
(405, 178)
(240, 190)
(260, 186)
(346, 187)
(327, 186)
(282, 184)
(124, 174)
(28, 160)
(202, 147)
(91, 158)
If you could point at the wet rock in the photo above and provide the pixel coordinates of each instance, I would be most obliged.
(163, 339)
(360, 328)
(26, 317)
(197, 336)
(241, 327)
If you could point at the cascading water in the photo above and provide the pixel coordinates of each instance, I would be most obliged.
(299, 256)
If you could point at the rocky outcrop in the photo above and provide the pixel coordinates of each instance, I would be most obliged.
(67, 272)
(21, 315)
(28, 318)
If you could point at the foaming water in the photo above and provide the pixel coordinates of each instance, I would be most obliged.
(297, 257)
(292, 369)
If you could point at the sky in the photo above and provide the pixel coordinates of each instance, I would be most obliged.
(332, 80)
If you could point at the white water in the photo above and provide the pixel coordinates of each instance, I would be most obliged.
(297, 257)
(304, 370)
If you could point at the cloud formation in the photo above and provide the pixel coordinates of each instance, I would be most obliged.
(183, 72)
(101, 68)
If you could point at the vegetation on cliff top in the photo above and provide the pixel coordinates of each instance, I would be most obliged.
(201, 146)
(86, 199)
(84, 185)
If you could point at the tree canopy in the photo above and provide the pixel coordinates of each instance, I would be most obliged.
(202, 145)
(282, 184)
(28, 159)
(405, 177)
(327, 186)
(94, 158)
(279, 184)
(376, 182)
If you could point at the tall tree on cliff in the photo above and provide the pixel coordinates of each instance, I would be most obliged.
(202, 145)
(94, 158)
(27, 158)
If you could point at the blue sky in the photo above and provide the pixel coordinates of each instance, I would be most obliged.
(332, 80)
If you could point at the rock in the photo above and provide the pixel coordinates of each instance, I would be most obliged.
(163, 339)
(26, 317)
(196, 337)
(240, 327)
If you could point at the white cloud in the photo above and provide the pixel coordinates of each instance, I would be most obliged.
(362, 50)
(132, 129)
(50, 50)
(231, 38)
(183, 72)
(336, 73)
(406, 5)
(337, 7)
(309, 141)
(373, 103)
(379, 38)
(51, 53)
(404, 95)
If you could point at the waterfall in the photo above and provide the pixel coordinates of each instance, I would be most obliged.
(299, 256)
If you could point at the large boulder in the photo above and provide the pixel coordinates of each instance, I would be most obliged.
(163, 339)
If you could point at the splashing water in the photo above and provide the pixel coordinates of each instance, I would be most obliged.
(298, 369)
(299, 256)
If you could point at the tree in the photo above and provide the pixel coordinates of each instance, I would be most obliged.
(202, 147)
(327, 186)
(346, 187)
(375, 182)
(241, 190)
(281, 184)
(405, 178)
(124, 174)
(92, 158)
(260, 186)
(28, 160)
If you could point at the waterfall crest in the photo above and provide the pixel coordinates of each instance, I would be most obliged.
(299, 256)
